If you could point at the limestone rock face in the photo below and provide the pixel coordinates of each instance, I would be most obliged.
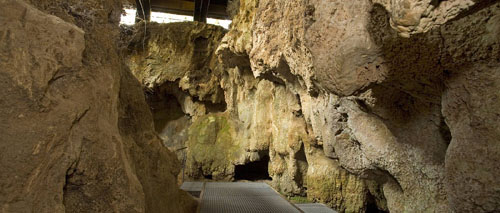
(470, 106)
(181, 52)
(328, 183)
(180, 74)
(212, 148)
(257, 121)
(221, 132)
(260, 108)
(359, 104)
(395, 91)
(419, 16)
(76, 133)
(233, 7)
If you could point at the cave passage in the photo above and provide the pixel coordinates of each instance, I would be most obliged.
(253, 171)
(165, 108)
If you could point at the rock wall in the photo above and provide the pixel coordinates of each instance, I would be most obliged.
(221, 119)
(76, 133)
(363, 105)
(374, 80)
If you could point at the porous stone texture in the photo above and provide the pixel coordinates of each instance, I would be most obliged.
(178, 59)
(181, 52)
(389, 89)
(180, 74)
(470, 105)
(231, 115)
(328, 183)
(386, 103)
(257, 118)
(76, 132)
(419, 16)
(233, 7)
(212, 150)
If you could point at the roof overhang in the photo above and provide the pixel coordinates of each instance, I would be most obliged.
(217, 8)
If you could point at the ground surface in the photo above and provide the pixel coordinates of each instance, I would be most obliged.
(245, 197)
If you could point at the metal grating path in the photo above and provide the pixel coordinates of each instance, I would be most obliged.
(243, 198)
(315, 208)
(192, 186)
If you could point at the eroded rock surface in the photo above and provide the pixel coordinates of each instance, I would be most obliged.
(76, 133)
(259, 134)
(354, 103)
(378, 101)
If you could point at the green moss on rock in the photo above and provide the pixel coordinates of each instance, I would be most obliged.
(334, 186)
(212, 147)
(342, 191)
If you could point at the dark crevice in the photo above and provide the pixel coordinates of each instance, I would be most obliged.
(436, 3)
(338, 132)
(445, 132)
(362, 106)
(371, 205)
(212, 107)
(356, 142)
(253, 171)
(299, 113)
(343, 117)
(284, 72)
(302, 165)
(79, 118)
(272, 78)
(71, 182)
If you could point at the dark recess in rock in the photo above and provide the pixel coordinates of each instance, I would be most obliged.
(257, 170)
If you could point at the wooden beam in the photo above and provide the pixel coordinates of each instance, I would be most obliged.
(183, 7)
(204, 10)
(201, 10)
(197, 10)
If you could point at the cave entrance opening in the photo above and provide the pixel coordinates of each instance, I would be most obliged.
(253, 171)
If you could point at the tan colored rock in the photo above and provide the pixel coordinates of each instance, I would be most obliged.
(470, 106)
(233, 8)
(181, 53)
(239, 39)
(30, 68)
(420, 16)
(394, 127)
(253, 109)
(76, 132)
(178, 69)
(385, 98)
(328, 183)
(212, 148)
(263, 117)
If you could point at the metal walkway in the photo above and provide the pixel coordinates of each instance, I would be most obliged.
(239, 197)
(193, 188)
(246, 197)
